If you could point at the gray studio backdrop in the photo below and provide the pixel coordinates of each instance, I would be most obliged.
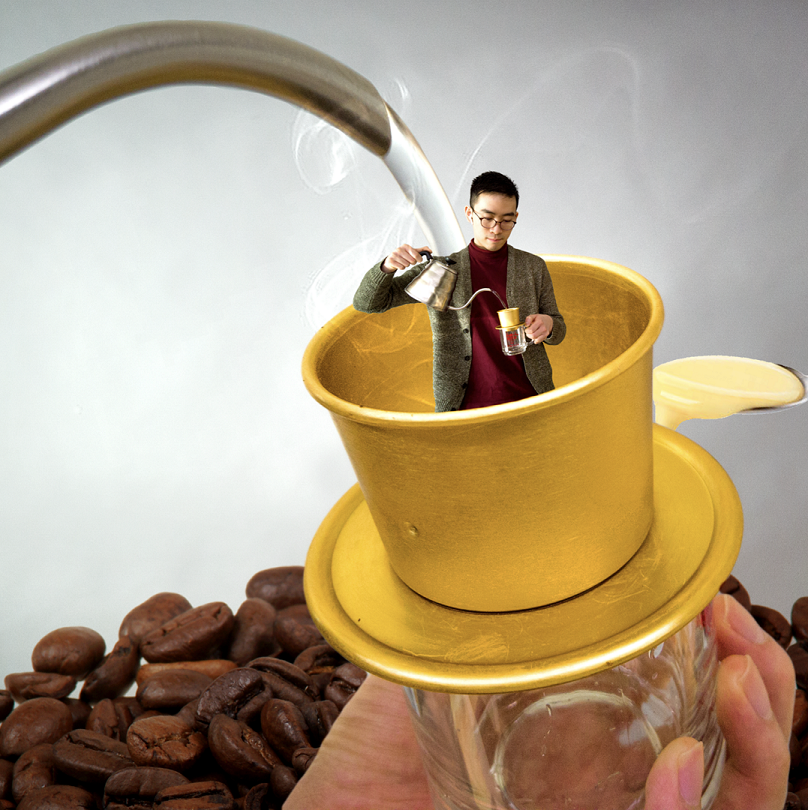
(166, 258)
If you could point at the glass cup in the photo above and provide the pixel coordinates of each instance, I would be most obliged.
(584, 745)
(513, 339)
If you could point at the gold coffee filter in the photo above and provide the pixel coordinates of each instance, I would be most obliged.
(517, 505)
(508, 317)
(523, 544)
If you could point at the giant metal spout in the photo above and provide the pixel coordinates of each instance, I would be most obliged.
(48, 90)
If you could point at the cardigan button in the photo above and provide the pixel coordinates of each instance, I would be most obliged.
(468, 357)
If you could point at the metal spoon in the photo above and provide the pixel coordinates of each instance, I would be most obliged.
(802, 378)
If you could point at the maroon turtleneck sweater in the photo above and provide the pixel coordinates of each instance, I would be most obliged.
(494, 377)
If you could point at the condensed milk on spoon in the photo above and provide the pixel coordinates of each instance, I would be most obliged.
(712, 387)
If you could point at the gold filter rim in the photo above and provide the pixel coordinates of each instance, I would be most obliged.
(623, 276)
(371, 617)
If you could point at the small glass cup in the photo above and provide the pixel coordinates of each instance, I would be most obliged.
(511, 330)
(513, 339)
(584, 745)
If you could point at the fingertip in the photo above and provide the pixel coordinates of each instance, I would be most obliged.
(730, 614)
(677, 776)
(690, 772)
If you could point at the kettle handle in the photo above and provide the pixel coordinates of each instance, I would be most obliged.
(442, 259)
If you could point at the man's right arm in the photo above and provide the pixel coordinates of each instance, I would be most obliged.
(381, 289)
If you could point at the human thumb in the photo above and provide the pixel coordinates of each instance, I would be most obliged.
(676, 778)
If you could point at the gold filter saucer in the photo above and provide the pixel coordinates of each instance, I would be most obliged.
(366, 612)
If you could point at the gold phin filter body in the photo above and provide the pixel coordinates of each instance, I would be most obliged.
(514, 506)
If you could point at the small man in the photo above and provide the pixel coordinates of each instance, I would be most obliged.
(470, 369)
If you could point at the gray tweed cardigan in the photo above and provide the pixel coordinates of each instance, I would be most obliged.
(528, 287)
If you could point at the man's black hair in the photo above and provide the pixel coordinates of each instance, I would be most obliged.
(493, 183)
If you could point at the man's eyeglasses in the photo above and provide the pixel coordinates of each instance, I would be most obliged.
(489, 222)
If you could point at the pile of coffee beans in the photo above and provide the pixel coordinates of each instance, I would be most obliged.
(229, 711)
(792, 636)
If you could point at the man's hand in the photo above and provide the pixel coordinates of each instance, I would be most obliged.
(402, 257)
(755, 701)
(538, 327)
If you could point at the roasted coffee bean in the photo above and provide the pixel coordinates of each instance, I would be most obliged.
(131, 703)
(59, 797)
(250, 713)
(151, 614)
(799, 658)
(6, 704)
(281, 689)
(291, 673)
(228, 694)
(79, 710)
(320, 716)
(794, 750)
(319, 658)
(89, 756)
(27, 685)
(253, 632)
(188, 713)
(280, 587)
(295, 636)
(299, 613)
(40, 720)
(774, 623)
(241, 751)
(33, 770)
(302, 758)
(207, 769)
(346, 680)
(734, 588)
(192, 635)
(319, 662)
(165, 741)
(799, 619)
(212, 667)
(260, 797)
(285, 681)
(283, 781)
(285, 728)
(137, 787)
(69, 651)
(110, 718)
(195, 796)
(171, 689)
(6, 771)
(800, 720)
(115, 674)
